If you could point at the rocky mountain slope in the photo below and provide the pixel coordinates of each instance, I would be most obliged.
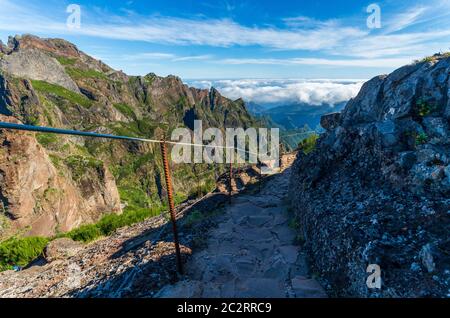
(139, 260)
(54, 183)
(376, 190)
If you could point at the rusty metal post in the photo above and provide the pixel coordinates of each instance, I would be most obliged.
(230, 178)
(171, 204)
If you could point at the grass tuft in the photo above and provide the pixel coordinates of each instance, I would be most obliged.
(66, 60)
(77, 73)
(125, 110)
(308, 144)
(20, 251)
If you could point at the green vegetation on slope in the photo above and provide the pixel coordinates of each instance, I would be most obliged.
(66, 60)
(20, 251)
(125, 109)
(308, 144)
(59, 91)
(46, 139)
(77, 73)
(79, 165)
(136, 128)
(110, 223)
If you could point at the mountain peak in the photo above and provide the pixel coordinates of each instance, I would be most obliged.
(56, 46)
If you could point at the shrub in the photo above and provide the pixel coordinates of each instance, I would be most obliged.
(79, 165)
(134, 196)
(20, 251)
(111, 222)
(423, 108)
(421, 138)
(201, 190)
(193, 218)
(308, 144)
(85, 233)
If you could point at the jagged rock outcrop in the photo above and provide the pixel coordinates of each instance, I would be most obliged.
(36, 65)
(376, 189)
(41, 199)
(330, 121)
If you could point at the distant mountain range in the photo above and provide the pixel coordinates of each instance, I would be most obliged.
(289, 103)
(293, 116)
(295, 120)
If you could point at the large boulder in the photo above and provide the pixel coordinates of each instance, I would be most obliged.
(375, 190)
(62, 248)
(330, 121)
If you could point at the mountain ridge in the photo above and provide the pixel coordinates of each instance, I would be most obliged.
(50, 82)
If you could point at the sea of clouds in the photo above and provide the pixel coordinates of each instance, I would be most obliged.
(285, 91)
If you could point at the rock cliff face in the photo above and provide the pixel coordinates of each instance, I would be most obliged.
(37, 196)
(376, 190)
(34, 64)
(54, 183)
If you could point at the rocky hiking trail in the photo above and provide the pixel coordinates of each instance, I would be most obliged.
(247, 250)
(251, 253)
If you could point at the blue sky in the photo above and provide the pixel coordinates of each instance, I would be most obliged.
(229, 39)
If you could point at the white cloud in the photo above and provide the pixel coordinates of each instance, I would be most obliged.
(352, 44)
(388, 62)
(193, 58)
(285, 91)
(178, 31)
(164, 56)
(406, 19)
(149, 56)
(411, 45)
(308, 22)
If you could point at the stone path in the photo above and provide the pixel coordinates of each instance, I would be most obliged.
(250, 253)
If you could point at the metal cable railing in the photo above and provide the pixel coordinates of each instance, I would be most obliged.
(165, 159)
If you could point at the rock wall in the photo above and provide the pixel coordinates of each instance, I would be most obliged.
(376, 190)
(40, 199)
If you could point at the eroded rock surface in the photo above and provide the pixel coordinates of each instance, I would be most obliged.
(376, 189)
(33, 64)
(37, 196)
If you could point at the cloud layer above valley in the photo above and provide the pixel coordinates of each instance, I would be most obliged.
(285, 91)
